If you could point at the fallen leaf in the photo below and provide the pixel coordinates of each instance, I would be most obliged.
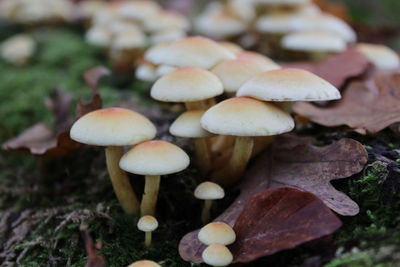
(366, 107)
(278, 219)
(336, 69)
(337, 9)
(281, 166)
(93, 259)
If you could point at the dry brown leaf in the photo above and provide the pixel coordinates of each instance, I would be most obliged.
(337, 9)
(93, 259)
(293, 161)
(336, 69)
(366, 107)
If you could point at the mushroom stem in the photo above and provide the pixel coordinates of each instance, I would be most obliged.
(318, 56)
(150, 194)
(205, 213)
(286, 106)
(240, 156)
(120, 182)
(193, 105)
(147, 239)
(202, 154)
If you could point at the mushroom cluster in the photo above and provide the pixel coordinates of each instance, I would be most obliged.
(285, 29)
(126, 28)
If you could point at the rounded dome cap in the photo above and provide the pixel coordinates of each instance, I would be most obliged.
(186, 85)
(380, 55)
(313, 41)
(147, 223)
(188, 125)
(217, 233)
(144, 263)
(217, 255)
(241, 116)
(209, 190)
(289, 85)
(154, 157)
(112, 127)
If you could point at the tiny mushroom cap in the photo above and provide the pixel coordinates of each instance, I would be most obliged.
(235, 72)
(209, 190)
(147, 223)
(217, 233)
(188, 125)
(217, 255)
(278, 23)
(380, 55)
(144, 263)
(188, 52)
(112, 127)
(146, 72)
(186, 85)
(289, 85)
(242, 116)
(154, 157)
(314, 41)
(128, 39)
(99, 36)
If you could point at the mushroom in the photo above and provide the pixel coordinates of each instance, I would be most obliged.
(234, 48)
(243, 118)
(383, 57)
(18, 49)
(191, 85)
(152, 159)
(187, 125)
(217, 233)
(144, 263)
(208, 191)
(114, 128)
(147, 224)
(217, 255)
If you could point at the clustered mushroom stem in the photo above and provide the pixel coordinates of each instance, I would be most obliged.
(147, 239)
(286, 106)
(120, 182)
(193, 105)
(203, 154)
(240, 157)
(318, 56)
(205, 214)
(150, 194)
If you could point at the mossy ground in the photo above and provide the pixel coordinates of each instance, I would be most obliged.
(43, 201)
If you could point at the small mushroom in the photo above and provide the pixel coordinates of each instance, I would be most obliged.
(217, 255)
(217, 233)
(147, 224)
(114, 128)
(144, 263)
(383, 57)
(208, 191)
(152, 159)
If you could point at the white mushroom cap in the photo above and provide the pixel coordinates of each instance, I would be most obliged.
(234, 48)
(146, 72)
(18, 49)
(217, 233)
(168, 35)
(217, 255)
(380, 55)
(255, 56)
(241, 116)
(188, 52)
(186, 85)
(289, 85)
(144, 263)
(275, 23)
(313, 41)
(162, 70)
(147, 223)
(166, 20)
(99, 36)
(154, 157)
(138, 10)
(128, 39)
(112, 127)
(234, 73)
(188, 125)
(209, 190)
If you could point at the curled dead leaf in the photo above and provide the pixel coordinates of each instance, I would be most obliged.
(93, 259)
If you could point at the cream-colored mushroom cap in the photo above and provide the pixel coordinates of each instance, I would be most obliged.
(98, 35)
(209, 190)
(147, 223)
(217, 255)
(189, 52)
(254, 56)
(234, 48)
(380, 55)
(289, 85)
(275, 23)
(186, 85)
(154, 157)
(128, 40)
(146, 72)
(144, 263)
(235, 72)
(138, 10)
(166, 20)
(162, 70)
(217, 233)
(112, 127)
(188, 125)
(313, 41)
(242, 116)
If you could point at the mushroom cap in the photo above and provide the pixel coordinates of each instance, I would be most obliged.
(289, 85)
(254, 55)
(99, 36)
(280, 23)
(217, 255)
(188, 52)
(154, 157)
(144, 263)
(112, 127)
(217, 233)
(209, 190)
(188, 125)
(186, 85)
(313, 41)
(147, 223)
(380, 55)
(242, 116)
(146, 72)
(162, 70)
(234, 48)
(167, 35)
(138, 10)
(235, 72)
(283, 2)
(166, 20)
(129, 39)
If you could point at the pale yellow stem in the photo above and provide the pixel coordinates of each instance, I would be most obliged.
(202, 154)
(150, 195)
(205, 213)
(196, 105)
(147, 239)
